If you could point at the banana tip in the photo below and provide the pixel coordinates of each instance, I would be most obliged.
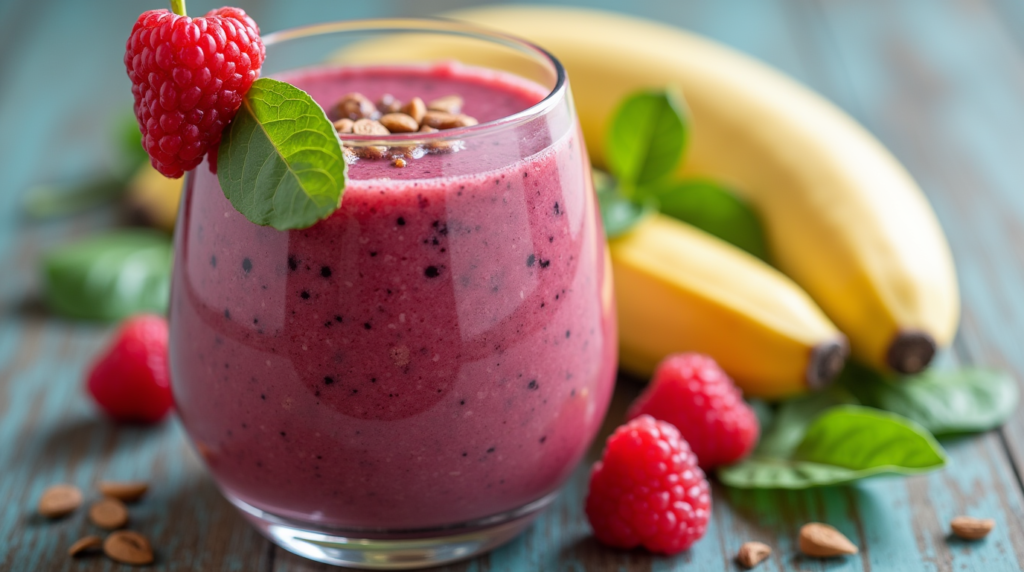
(911, 351)
(827, 360)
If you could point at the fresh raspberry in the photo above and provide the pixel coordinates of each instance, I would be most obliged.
(189, 76)
(131, 380)
(691, 392)
(647, 489)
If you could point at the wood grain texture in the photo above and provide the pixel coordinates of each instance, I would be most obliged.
(939, 81)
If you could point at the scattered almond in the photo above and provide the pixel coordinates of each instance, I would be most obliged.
(448, 104)
(821, 541)
(125, 491)
(388, 104)
(970, 528)
(415, 109)
(356, 106)
(108, 513)
(59, 500)
(399, 123)
(442, 120)
(86, 544)
(752, 553)
(343, 125)
(128, 547)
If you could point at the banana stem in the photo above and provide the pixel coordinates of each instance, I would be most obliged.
(178, 7)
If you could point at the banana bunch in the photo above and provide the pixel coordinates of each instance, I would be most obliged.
(843, 218)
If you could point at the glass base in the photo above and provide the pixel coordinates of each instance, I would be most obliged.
(377, 549)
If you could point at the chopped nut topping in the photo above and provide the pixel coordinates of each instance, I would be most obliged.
(388, 104)
(399, 123)
(415, 109)
(356, 106)
(448, 104)
(369, 127)
(442, 120)
(343, 125)
(399, 162)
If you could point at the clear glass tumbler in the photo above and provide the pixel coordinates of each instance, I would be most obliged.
(409, 381)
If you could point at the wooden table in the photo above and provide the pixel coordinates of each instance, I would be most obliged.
(941, 82)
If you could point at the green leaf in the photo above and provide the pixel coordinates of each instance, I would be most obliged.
(280, 162)
(794, 416)
(618, 214)
(109, 277)
(861, 438)
(946, 402)
(50, 201)
(646, 137)
(713, 209)
(844, 444)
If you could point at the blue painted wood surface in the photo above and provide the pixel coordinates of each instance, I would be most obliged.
(939, 81)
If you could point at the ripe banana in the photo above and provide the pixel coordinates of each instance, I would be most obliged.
(153, 197)
(844, 219)
(680, 288)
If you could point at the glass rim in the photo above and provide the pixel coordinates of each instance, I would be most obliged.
(441, 26)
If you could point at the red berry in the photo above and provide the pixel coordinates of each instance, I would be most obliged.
(189, 76)
(691, 392)
(131, 380)
(648, 490)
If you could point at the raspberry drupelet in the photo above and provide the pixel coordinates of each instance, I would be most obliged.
(189, 76)
(691, 392)
(648, 490)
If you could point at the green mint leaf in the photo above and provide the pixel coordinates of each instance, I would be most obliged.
(280, 161)
(946, 402)
(109, 277)
(646, 137)
(618, 214)
(863, 438)
(713, 209)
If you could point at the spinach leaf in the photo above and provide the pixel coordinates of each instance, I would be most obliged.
(714, 209)
(946, 402)
(109, 277)
(646, 138)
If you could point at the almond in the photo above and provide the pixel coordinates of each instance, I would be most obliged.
(970, 528)
(752, 553)
(125, 491)
(400, 162)
(399, 123)
(442, 120)
(388, 104)
(128, 547)
(448, 104)
(85, 544)
(821, 541)
(343, 125)
(356, 106)
(415, 109)
(59, 500)
(108, 513)
(369, 127)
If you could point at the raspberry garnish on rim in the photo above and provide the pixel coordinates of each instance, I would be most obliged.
(189, 76)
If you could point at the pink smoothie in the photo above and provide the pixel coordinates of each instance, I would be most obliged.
(441, 349)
